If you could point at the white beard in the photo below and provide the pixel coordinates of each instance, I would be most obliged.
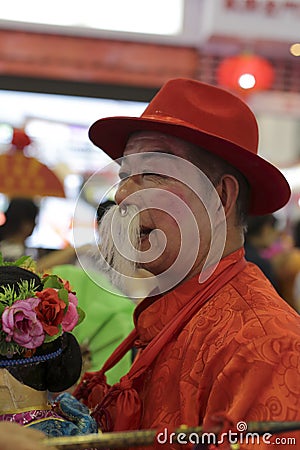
(119, 240)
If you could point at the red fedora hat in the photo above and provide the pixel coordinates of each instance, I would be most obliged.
(211, 118)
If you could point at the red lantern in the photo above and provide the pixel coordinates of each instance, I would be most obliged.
(245, 72)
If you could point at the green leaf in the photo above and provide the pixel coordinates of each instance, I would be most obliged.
(26, 289)
(81, 315)
(24, 261)
(19, 262)
(63, 295)
(52, 281)
(52, 338)
(8, 296)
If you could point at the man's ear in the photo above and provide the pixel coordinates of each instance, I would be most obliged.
(228, 190)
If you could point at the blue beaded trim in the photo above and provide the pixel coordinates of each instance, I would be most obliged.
(32, 360)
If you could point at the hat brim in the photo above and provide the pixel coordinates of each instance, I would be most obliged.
(270, 190)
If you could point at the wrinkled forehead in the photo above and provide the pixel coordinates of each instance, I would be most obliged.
(152, 141)
(150, 151)
(155, 162)
(159, 153)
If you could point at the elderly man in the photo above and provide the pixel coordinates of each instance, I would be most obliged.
(217, 345)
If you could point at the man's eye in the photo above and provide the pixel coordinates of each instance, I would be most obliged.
(150, 174)
(157, 176)
(123, 175)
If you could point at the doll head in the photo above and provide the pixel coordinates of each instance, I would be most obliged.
(37, 315)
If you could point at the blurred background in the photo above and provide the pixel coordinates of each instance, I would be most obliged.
(65, 64)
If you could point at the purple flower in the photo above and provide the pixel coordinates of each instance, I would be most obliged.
(71, 317)
(21, 324)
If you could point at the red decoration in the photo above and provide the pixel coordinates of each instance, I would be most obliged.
(25, 176)
(20, 139)
(231, 69)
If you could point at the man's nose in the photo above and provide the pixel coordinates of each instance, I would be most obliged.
(127, 187)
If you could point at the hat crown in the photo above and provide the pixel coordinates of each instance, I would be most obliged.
(212, 119)
(205, 108)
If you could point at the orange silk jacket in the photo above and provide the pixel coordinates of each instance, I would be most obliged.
(237, 358)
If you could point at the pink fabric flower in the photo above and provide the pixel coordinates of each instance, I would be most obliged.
(71, 317)
(21, 324)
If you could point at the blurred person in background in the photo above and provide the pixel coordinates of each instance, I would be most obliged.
(274, 252)
(284, 255)
(287, 263)
(20, 220)
(296, 233)
(260, 235)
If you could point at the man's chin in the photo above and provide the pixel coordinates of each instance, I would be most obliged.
(155, 267)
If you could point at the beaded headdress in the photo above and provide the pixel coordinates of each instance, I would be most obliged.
(34, 311)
